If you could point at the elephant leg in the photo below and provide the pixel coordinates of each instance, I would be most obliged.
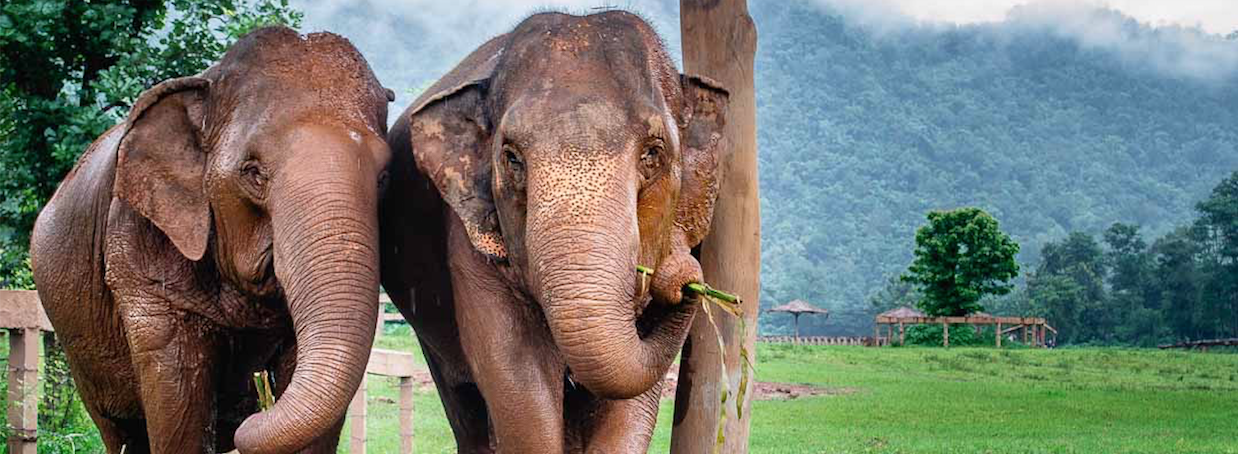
(624, 425)
(174, 355)
(285, 364)
(510, 355)
(465, 409)
(126, 435)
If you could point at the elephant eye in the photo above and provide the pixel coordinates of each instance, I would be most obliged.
(651, 158)
(513, 158)
(254, 177)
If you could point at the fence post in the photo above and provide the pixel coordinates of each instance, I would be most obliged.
(406, 415)
(945, 334)
(23, 418)
(356, 414)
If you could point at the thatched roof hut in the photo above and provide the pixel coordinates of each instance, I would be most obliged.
(797, 308)
(901, 312)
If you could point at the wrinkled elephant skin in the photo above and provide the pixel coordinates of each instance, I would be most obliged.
(554, 159)
(228, 226)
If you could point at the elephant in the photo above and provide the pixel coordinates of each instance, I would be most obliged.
(528, 184)
(228, 225)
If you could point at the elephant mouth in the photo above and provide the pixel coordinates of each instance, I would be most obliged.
(262, 281)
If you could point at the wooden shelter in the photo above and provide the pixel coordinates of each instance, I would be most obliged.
(1035, 328)
(797, 308)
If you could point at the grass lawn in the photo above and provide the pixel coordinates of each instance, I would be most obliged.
(932, 400)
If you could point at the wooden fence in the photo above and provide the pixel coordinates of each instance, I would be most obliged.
(815, 340)
(1202, 345)
(1034, 329)
(22, 317)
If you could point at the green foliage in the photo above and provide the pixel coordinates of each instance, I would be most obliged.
(960, 336)
(68, 69)
(1183, 286)
(961, 256)
(863, 129)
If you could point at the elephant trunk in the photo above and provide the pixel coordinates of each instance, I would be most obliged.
(326, 259)
(583, 249)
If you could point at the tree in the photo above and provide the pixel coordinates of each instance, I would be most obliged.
(1216, 231)
(1178, 281)
(1069, 288)
(961, 256)
(68, 69)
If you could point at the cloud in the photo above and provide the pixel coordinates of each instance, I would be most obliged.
(1169, 49)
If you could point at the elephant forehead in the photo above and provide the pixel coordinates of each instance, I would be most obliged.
(575, 181)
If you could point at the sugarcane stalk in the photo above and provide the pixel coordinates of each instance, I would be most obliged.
(262, 385)
(706, 290)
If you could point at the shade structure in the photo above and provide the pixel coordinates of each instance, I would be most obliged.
(797, 308)
(901, 312)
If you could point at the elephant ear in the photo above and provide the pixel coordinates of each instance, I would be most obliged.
(449, 131)
(705, 105)
(160, 163)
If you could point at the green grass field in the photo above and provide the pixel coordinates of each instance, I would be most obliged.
(932, 400)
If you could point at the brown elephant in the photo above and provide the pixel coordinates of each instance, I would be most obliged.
(554, 159)
(227, 226)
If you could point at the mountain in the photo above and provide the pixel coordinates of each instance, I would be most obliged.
(863, 127)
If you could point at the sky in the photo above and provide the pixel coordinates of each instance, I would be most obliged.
(1213, 16)
(410, 43)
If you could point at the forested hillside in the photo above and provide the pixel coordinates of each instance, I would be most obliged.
(862, 129)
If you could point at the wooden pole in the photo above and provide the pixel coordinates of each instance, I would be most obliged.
(998, 334)
(720, 42)
(945, 334)
(406, 415)
(797, 327)
(902, 335)
(877, 335)
(356, 416)
(23, 399)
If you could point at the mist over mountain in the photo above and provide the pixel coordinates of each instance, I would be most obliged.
(1060, 118)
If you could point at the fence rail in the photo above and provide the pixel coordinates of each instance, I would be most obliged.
(816, 340)
(1202, 344)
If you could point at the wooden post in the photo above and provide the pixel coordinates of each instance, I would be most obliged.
(720, 42)
(945, 334)
(998, 334)
(902, 335)
(356, 414)
(877, 334)
(23, 399)
(406, 415)
(797, 326)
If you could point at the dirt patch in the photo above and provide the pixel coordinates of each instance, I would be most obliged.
(786, 391)
(769, 390)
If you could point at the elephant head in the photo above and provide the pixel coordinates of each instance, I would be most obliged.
(572, 150)
(270, 164)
